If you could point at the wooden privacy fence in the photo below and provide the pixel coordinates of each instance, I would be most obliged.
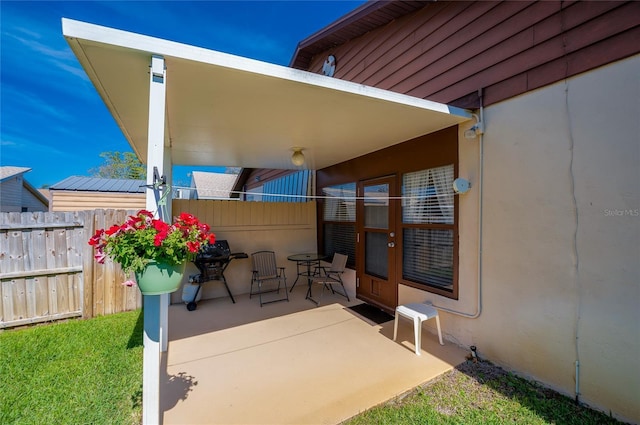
(47, 271)
(104, 293)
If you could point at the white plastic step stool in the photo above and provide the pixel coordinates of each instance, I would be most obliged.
(418, 313)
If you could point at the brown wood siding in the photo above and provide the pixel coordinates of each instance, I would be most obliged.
(447, 51)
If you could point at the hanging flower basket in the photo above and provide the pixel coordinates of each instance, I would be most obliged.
(155, 251)
(159, 278)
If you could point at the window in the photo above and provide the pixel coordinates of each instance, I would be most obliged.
(428, 227)
(339, 221)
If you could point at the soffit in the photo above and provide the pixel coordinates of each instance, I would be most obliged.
(227, 110)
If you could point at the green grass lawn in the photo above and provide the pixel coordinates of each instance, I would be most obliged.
(90, 372)
(481, 393)
(74, 372)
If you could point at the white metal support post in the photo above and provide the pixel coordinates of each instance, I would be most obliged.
(155, 321)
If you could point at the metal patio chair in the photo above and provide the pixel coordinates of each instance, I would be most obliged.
(267, 276)
(331, 277)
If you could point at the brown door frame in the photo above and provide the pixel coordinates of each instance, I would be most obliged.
(387, 289)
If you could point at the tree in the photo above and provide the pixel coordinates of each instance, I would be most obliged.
(120, 165)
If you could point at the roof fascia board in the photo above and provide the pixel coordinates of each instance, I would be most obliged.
(344, 21)
(241, 180)
(363, 16)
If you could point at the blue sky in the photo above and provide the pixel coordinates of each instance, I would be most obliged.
(52, 119)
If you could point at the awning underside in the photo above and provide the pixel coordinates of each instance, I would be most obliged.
(226, 110)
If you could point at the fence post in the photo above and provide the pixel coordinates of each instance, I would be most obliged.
(88, 266)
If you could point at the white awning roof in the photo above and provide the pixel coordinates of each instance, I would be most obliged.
(228, 110)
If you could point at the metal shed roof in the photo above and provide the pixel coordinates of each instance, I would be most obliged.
(93, 184)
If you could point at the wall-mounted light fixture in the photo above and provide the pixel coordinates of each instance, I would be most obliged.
(474, 131)
(297, 158)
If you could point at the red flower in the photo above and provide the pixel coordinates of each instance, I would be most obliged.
(100, 257)
(113, 229)
(95, 239)
(157, 241)
(160, 226)
(133, 221)
(188, 219)
(143, 238)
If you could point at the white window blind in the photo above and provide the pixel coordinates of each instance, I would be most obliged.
(428, 235)
(339, 221)
(427, 196)
(340, 203)
(428, 257)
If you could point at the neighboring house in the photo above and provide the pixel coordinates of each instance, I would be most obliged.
(90, 193)
(16, 194)
(211, 185)
(46, 194)
(276, 185)
(537, 264)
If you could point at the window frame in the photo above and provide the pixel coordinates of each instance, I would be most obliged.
(427, 151)
(401, 226)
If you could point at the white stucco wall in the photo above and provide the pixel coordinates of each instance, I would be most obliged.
(560, 239)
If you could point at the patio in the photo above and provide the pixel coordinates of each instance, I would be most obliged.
(288, 362)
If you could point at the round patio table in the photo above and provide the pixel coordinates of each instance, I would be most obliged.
(306, 261)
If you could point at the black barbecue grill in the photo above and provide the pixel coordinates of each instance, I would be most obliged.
(212, 261)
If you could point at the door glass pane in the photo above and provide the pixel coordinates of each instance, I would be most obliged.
(376, 206)
(376, 254)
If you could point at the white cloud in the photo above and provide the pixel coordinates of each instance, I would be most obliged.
(20, 144)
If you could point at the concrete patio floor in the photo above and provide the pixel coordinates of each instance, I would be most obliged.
(288, 362)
